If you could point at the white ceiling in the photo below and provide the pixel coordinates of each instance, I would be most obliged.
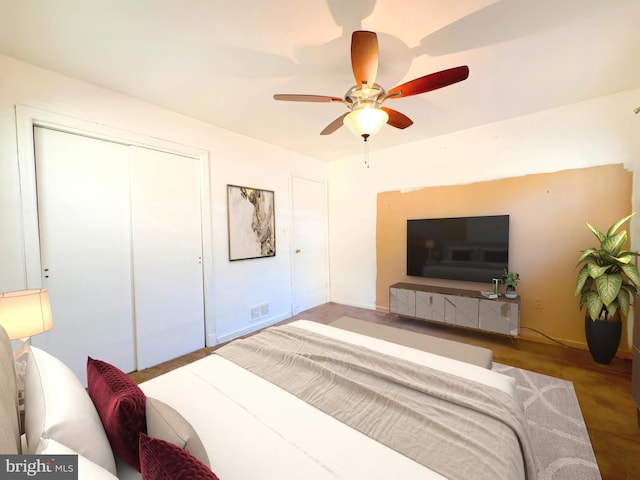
(221, 61)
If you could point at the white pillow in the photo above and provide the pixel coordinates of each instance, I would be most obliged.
(165, 423)
(57, 407)
(87, 470)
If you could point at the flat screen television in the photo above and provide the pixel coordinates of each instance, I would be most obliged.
(474, 249)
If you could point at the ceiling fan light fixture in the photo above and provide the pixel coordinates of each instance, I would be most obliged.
(366, 121)
(366, 97)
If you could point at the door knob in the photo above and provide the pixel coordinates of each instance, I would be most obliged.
(298, 250)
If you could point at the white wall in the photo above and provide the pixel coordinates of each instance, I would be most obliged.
(234, 159)
(598, 132)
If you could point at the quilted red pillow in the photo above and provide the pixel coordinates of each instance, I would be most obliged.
(161, 460)
(121, 406)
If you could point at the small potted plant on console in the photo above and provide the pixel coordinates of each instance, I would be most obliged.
(510, 280)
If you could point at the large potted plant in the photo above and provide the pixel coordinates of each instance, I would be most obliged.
(607, 282)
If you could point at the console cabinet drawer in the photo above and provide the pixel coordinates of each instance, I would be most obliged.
(430, 306)
(402, 302)
(499, 317)
(461, 311)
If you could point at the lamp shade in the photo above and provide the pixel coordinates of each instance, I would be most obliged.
(366, 121)
(25, 313)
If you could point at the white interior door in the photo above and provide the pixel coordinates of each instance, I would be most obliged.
(310, 242)
(167, 255)
(84, 221)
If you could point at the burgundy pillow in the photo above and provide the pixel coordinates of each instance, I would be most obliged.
(121, 406)
(161, 460)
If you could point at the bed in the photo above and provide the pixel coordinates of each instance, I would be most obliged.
(250, 411)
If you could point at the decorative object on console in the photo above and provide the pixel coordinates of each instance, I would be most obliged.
(606, 283)
(510, 280)
(496, 286)
(251, 217)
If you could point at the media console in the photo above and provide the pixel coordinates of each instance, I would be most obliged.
(453, 306)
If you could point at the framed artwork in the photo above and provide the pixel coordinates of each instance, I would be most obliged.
(251, 216)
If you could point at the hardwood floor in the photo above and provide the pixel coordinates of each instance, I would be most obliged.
(604, 391)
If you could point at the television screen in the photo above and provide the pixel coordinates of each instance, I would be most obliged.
(474, 249)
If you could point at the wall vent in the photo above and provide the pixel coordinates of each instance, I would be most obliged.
(259, 311)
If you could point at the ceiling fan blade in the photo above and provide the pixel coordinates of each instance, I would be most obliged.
(364, 57)
(306, 98)
(397, 119)
(333, 126)
(430, 82)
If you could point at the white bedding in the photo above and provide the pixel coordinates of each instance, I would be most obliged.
(253, 429)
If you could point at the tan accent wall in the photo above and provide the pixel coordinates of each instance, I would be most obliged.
(547, 212)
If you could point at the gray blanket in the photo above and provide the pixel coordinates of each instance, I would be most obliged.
(458, 428)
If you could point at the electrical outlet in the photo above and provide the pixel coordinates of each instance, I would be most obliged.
(255, 313)
(537, 304)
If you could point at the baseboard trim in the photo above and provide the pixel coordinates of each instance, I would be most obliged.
(249, 329)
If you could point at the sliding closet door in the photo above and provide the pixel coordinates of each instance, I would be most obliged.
(167, 255)
(121, 251)
(84, 221)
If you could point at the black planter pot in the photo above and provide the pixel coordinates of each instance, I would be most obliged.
(603, 338)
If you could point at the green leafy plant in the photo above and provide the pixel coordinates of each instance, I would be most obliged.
(510, 279)
(607, 279)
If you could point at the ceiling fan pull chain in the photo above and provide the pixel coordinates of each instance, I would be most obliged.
(366, 150)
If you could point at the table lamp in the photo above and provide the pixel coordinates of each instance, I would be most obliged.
(25, 313)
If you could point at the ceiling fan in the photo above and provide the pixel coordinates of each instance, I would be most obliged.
(364, 100)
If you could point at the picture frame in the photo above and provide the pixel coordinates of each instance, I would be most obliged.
(251, 222)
